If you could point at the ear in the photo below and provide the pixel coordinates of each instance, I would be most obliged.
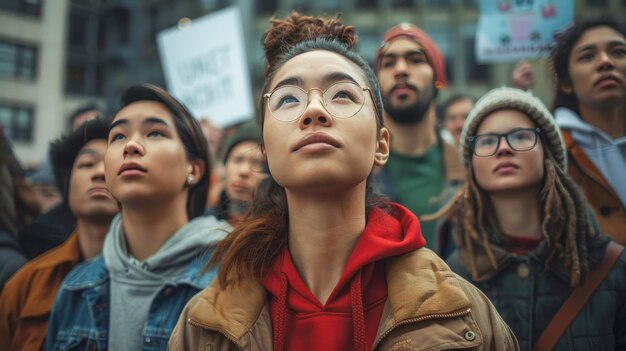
(196, 168)
(382, 148)
(565, 88)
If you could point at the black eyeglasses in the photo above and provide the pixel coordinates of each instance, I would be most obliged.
(519, 139)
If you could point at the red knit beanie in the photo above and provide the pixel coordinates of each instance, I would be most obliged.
(434, 56)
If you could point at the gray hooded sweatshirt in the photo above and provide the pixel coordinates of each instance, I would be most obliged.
(134, 284)
(608, 155)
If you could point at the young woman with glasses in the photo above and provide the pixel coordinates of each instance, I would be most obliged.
(316, 264)
(525, 235)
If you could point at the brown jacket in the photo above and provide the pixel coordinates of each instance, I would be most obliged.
(27, 298)
(605, 202)
(429, 308)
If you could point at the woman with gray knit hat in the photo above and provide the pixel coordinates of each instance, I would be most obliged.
(525, 234)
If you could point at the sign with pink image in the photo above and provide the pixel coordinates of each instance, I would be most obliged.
(510, 30)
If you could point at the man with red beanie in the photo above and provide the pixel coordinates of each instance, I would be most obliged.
(422, 170)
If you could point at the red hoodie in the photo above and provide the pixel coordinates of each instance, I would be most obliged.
(350, 318)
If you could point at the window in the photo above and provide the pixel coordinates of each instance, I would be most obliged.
(475, 72)
(75, 78)
(17, 60)
(366, 4)
(402, 3)
(597, 3)
(78, 30)
(17, 121)
(439, 4)
(26, 7)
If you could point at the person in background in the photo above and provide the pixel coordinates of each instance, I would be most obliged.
(589, 63)
(26, 300)
(423, 171)
(18, 206)
(455, 111)
(85, 112)
(524, 232)
(523, 76)
(54, 226)
(129, 298)
(316, 264)
(244, 168)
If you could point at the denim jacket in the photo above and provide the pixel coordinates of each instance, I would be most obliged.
(80, 316)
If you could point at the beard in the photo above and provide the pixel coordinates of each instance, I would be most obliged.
(413, 113)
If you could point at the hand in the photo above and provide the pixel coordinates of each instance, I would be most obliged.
(523, 76)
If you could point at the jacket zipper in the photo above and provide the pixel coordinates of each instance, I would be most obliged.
(419, 319)
(229, 337)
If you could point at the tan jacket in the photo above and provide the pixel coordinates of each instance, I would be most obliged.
(605, 202)
(429, 308)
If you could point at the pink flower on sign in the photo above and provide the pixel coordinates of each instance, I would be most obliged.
(548, 10)
(504, 6)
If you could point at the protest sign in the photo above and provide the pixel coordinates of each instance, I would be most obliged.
(205, 67)
(510, 30)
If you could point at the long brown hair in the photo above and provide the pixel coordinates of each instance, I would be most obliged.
(253, 244)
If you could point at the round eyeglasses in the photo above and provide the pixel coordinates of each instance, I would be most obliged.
(520, 139)
(342, 100)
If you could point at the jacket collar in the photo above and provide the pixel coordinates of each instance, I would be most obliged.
(596, 247)
(68, 252)
(98, 274)
(40, 300)
(419, 283)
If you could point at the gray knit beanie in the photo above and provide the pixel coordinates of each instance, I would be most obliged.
(510, 98)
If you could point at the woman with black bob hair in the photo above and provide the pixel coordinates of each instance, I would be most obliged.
(156, 166)
(317, 263)
(589, 64)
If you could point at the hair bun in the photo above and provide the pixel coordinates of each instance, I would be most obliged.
(295, 28)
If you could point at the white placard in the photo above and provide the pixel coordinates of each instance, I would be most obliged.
(205, 67)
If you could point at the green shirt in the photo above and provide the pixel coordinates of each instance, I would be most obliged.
(419, 181)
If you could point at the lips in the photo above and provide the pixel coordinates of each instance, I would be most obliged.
(403, 87)
(606, 78)
(99, 191)
(504, 165)
(241, 187)
(131, 168)
(316, 138)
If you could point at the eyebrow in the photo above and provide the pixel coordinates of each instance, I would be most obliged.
(149, 120)
(327, 79)
(594, 45)
(87, 152)
(406, 53)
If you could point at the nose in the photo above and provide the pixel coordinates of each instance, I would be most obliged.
(605, 62)
(503, 147)
(315, 113)
(400, 68)
(133, 147)
(98, 174)
(245, 169)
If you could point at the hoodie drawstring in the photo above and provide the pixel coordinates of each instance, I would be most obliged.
(279, 330)
(358, 315)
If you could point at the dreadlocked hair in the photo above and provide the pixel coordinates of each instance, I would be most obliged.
(566, 222)
(249, 250)
(296, 28)
(566, 218)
